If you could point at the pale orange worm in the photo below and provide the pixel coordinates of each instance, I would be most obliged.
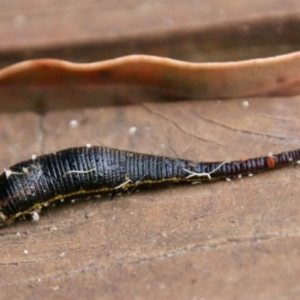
(273, 76)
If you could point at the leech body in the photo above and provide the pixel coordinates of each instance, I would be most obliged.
(74, 172)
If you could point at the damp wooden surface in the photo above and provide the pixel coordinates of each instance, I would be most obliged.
(226, 240)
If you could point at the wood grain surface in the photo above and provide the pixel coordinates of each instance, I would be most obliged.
(227, 240)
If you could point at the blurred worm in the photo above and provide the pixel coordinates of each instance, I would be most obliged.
(273, 76)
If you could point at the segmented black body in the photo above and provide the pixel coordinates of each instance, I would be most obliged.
(28, 185)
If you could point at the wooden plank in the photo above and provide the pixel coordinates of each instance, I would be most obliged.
(44, 24)
(228, 240)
